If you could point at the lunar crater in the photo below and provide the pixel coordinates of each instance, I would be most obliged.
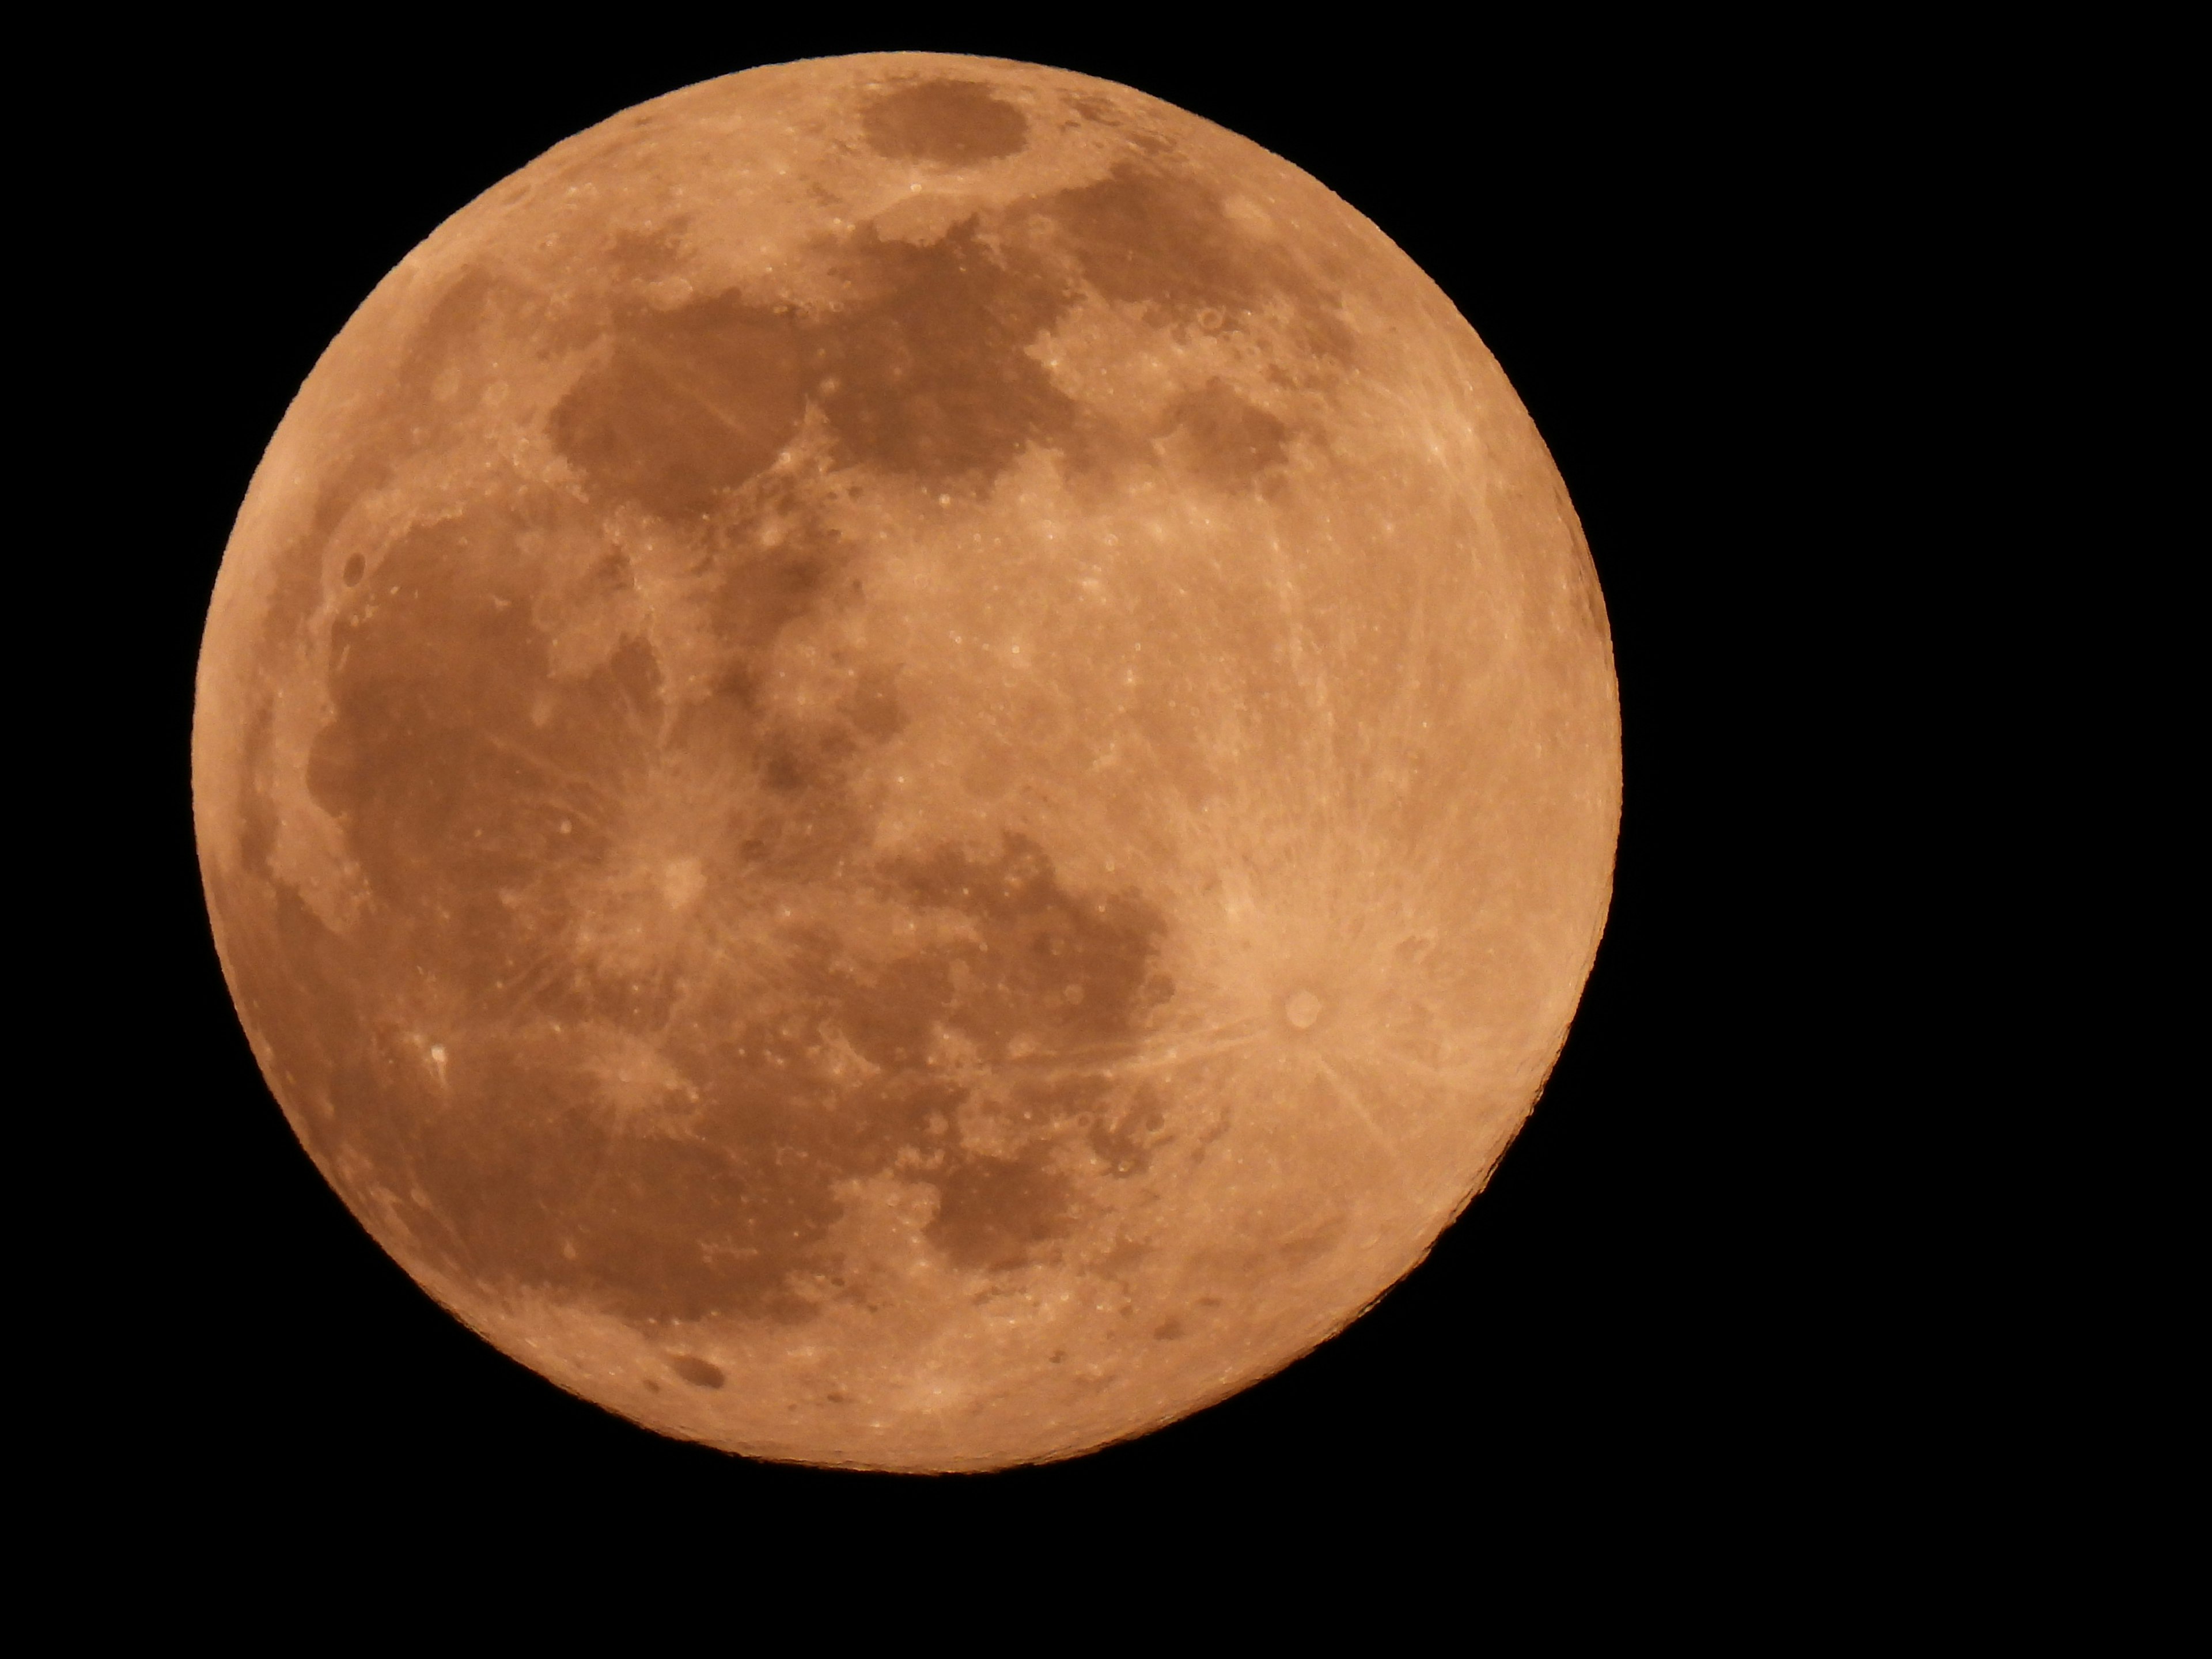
(953, 123)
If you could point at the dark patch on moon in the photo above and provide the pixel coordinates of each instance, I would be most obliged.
(1152, 233)
(685, 404)
(1228, 442)
(699, 1373)
(927, 376)
(922, 374)
(994, 1212)
(953, 123)
(1156, 236)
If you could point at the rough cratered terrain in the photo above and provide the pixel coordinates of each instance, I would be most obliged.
(906, 762)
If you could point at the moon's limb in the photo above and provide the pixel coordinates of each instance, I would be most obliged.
(906, 762)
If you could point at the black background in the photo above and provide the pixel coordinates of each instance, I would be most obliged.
(1618, 1334)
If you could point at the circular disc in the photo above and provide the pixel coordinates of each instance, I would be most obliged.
(906, 762)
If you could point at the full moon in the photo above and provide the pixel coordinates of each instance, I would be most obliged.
(906, 763)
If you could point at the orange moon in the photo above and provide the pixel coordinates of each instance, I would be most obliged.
(906, 763)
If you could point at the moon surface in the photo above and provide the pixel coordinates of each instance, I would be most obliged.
(907, 762)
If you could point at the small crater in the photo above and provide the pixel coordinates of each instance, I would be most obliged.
(697, 1371)
(953, 123)
(1302, 1009)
